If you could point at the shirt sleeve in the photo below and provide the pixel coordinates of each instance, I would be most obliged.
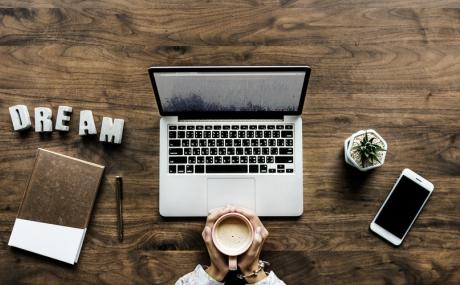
(199, 277)
(271, 279)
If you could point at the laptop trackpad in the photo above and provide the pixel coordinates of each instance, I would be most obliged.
(239, 192)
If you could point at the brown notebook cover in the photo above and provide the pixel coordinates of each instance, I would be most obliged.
(61, 190)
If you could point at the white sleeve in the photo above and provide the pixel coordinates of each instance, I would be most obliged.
(271, 279)
(198, 277)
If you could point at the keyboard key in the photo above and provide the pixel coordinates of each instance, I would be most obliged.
(226, 127)
(263, 142)
(172, 127)
(272, 170)
(252, 159)
(220, 142)
(230, 151)
(247, 151)
(262, 127)
(209, 159)
(199, 127)
(175, 151)
(288, 127)
(204, 151)
(227, 168)
(189, 168)
(243, 159)
(192, 159)
(228, 142)
(246, 142)
(276, 134)
(207, 134)
(256, 151)
(199, 168)
(181, 127)
(213, 151)
(172, 134)
(289, 142)
(239, 151)
(253, 127)
(200, 159)
(280, 166)
(190, 127)
(174, 142)
(194, 143)
(215, 134)
(222, 151)
(254, 142)
(232, 134)
(235, 159)
(211, 142)
(279, 127)
(265, 151)
(217, 127)
(202, 142)
(250, 134)
(181, 169)
(198, 134)
(280, 142)
(280, 170)
(254, 168)
(286, 150)
(271, 127)
(259, 134)
(272, 142)
(245, 127)
(235, 127)
(270, 159)
(177, 159)
(284, 159)
(172, 169)
(208, 127)
(217, 159)
(224, 134)
(237, 142)
(226, 159)
(187, 151)
(274, 151)
(286, 134)
(289, 170)
(189, 134)
(181, 134)
(263, 169)
(196, 151)
(261, 159)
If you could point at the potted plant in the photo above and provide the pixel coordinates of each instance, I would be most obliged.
(365, 150)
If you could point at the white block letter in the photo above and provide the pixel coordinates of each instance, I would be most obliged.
(87, 126)
(20, 117)
(111, 131)
(43, 121)
(63, 115)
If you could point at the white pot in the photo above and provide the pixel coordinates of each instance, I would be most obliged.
(347, 150)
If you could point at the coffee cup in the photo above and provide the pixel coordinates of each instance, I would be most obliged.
(232, 234)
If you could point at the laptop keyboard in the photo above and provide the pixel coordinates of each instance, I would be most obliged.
(231, 148)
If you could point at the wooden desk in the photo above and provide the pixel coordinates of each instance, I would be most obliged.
(395, 70)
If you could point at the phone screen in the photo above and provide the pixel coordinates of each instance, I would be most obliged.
(402, 207)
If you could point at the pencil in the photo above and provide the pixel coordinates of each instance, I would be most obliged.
(119, 194)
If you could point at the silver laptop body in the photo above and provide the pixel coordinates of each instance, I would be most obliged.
(230, 135)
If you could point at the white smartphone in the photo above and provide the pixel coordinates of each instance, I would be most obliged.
(402, 206)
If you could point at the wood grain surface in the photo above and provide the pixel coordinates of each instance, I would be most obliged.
(395, 69)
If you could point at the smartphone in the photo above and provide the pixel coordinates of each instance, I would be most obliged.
(402, 206)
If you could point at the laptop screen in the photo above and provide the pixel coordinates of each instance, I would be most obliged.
(228, 91)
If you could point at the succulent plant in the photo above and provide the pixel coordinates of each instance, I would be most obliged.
(368, 150)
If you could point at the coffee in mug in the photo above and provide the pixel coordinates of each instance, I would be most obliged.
(232, 235)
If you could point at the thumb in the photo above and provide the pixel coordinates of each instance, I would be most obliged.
(207, 235)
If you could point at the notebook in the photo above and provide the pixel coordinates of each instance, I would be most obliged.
(56, 206)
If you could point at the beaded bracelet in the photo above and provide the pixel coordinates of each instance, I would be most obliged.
(254, 273)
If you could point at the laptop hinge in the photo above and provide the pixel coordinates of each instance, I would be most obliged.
(231, 117)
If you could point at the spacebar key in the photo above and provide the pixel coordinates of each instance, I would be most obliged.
(229, 168)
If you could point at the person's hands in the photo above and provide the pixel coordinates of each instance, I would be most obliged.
(219, 263)
(249, 261)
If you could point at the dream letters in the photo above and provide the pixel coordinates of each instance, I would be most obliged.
(111, 130)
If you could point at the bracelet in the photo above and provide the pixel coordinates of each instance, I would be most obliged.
(254, 273)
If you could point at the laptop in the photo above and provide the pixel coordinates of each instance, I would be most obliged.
(230, 135)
